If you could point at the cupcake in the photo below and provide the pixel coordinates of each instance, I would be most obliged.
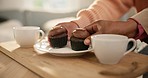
(77, 39)
(58, 37)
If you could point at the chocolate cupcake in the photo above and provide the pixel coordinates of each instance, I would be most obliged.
(58, 37)
(77, 39)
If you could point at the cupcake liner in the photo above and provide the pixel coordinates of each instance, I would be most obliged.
(78, 44)
(58, 42)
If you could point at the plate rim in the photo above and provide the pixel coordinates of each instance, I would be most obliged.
(57, 52)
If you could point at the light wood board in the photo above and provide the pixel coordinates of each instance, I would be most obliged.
(49, 66)
(11, 69)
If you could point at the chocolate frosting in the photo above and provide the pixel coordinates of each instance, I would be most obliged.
(57, 31)
(80, 33)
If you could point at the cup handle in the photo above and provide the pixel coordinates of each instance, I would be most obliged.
(134, 45)
(42, 35)
(14, 32)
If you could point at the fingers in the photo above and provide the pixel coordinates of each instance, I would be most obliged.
(69, 26)
(87, 41)
(57, 30)
(92, 28)
(80, 33)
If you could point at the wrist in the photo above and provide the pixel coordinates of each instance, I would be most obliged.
(132, 28)
(71, 27)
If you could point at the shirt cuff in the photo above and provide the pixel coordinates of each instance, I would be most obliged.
(141, 32)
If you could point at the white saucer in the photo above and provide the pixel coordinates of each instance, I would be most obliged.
(44, 47)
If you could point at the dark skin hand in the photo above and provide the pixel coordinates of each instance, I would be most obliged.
(130, 66)
(66, 27)
(127, 28)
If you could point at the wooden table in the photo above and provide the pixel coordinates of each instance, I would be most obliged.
(30, 64)
(11, 69)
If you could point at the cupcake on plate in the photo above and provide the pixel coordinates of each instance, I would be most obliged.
(77, 39)
(58, 37)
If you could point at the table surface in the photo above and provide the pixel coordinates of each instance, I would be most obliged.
(12, 69)
(49, 66)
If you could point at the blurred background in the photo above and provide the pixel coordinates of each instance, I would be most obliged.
(37, 12)
(55, 6)
(43, 13)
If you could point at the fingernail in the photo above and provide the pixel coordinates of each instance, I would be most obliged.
(86, 41)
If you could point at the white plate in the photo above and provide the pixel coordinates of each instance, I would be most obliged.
(44, 47)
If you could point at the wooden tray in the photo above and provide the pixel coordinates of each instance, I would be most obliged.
(49, 66)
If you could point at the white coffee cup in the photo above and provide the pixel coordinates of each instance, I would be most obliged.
(27, 36)
(110, 48)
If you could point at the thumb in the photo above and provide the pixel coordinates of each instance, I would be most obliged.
(87, 41)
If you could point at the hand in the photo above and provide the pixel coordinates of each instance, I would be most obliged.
(131, 65)
(127, 28)
(63, 27)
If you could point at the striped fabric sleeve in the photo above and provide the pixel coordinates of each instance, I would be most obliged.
(103, 10)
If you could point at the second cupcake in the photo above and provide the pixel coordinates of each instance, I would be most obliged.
(77, 39)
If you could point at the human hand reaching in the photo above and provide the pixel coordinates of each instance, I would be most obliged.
(67, 27)
(127, 28)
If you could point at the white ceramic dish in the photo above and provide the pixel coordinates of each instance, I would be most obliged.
(44, 47)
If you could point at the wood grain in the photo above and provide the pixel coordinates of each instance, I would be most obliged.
(11, 69)
(49, 66)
